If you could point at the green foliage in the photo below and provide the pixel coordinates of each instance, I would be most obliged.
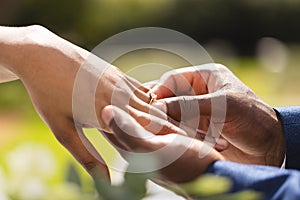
(244, 195)
(133, 187)
(207, 187)
(14, 97)
(136, 183)
(72, 176)
(88, 22)
(211, 187)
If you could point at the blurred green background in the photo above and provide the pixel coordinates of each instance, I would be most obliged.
(257, 39)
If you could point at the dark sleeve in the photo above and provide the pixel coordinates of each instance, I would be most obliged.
(290, 119)
(273, 182)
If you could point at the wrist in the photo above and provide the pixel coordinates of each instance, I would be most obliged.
(12, 40)
(35, 49)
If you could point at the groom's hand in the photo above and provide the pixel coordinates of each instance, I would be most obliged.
(250, 126)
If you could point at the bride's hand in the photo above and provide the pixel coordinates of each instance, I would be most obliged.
(68, 86)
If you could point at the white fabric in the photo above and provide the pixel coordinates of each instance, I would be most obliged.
(283, 163)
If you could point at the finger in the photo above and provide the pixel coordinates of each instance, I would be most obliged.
(204, 124)
(126, 93)
(189, 126)
(80, 147)
(146, 107)
(166, 86)
(154, 124)
(138, 85)
(185, 107)
(160, 126)
(173, 83)
(184, 81)
(160, 113)
(126, 129)
(127, 88)
(121, 97)
(179, 107)
(162, 91)
(221, 144)
(138, 89)
(195, 113)
(141, 102)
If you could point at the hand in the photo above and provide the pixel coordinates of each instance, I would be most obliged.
(182, 152)
(250, 126)
(48, 66)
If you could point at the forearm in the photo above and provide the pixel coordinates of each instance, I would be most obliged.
(25, 51)
(11, 39)
(9, 36)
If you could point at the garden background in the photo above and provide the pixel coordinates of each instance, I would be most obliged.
(258, 40)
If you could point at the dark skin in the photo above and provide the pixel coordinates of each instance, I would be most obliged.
(251, 127)
(245, 110)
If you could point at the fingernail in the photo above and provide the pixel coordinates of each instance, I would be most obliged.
(223, 143)
(160, 105)
(107, 114)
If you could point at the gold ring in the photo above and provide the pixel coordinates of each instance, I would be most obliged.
(153, 98)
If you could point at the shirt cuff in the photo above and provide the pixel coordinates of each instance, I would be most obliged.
(283, 163)
(290, 119)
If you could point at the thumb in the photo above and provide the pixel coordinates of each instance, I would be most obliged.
(130, 133)
(195, 112)
(162, 91)
(183, 108)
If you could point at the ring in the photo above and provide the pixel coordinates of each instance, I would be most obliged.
(153, 98)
